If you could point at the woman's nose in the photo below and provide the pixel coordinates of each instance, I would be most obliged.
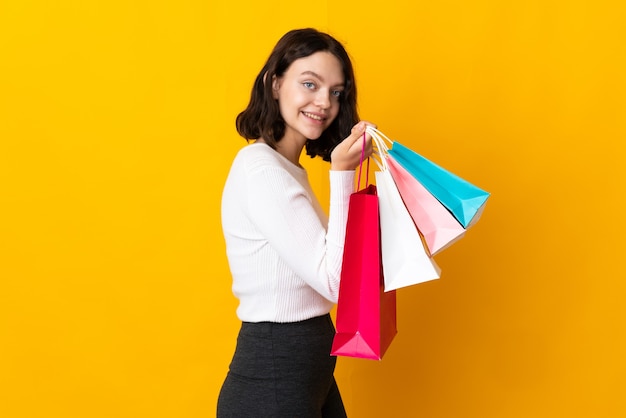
(322, 98)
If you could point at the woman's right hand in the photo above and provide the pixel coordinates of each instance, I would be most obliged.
(347, 155)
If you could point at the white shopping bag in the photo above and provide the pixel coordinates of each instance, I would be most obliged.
(405, 260)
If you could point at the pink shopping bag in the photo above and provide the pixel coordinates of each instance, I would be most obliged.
(437, 225)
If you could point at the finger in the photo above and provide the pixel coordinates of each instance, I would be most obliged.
(357, 131)
(369, 124)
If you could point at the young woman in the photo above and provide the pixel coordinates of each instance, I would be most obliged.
(284, 252)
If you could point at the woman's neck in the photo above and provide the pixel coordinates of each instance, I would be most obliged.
(289, 148)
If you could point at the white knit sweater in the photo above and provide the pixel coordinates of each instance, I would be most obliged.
(284, 253)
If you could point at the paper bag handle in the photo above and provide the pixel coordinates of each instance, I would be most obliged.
(367, 168)
(384, 138)
(382, 150)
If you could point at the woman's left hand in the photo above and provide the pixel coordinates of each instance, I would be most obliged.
(347, 155)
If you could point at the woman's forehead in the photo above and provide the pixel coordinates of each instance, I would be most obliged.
(323, 66)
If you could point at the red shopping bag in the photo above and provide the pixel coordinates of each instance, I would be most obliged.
(366, 314)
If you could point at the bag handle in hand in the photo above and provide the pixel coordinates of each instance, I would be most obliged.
(384, 138)
(382, 150)
(367, 168)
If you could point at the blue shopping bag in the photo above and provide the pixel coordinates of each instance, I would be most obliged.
(464, 200)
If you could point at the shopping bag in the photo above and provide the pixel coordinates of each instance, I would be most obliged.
(405, 260)
(438, 226)
(463, 199)
(433, 220)
(366, 315)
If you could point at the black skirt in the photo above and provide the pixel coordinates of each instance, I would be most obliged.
(282, 370)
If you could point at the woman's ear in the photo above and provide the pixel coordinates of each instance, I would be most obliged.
(275, 87)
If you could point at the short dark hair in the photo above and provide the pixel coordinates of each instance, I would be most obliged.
(262, 118)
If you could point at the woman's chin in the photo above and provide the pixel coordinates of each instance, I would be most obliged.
(314, 134)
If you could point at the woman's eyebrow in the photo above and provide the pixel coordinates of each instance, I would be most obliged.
(319, 77)
(314, 74)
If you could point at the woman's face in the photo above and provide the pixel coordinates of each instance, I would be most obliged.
(308, 95)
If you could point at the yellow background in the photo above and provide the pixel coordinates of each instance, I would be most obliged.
(116, 134)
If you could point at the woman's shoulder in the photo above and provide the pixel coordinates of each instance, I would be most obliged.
(256, 150)
(260, 156)
(254, 156)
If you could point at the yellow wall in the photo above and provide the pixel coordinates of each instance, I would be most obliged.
(116, 132)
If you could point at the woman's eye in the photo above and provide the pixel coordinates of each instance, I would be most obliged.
(308, 85)
(336, 93)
